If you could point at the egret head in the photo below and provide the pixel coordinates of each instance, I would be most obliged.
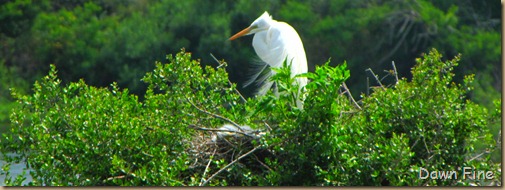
(261, 23)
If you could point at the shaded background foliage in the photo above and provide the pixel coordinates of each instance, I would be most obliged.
(106, 41)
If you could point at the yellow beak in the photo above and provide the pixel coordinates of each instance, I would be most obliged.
(241, 33)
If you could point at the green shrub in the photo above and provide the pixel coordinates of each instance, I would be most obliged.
(427, 122)
(83, 135)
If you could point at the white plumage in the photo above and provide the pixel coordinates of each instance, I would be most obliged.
(275, 42)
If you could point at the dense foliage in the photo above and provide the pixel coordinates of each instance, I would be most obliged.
(77, 134)
(117, 41)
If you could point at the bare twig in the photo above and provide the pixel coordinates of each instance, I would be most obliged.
(479, 155)
(221, 64)
(214, 115)
(396, 72)
(230, 164)
(375, 76)
(263, 164)
(415, 143)
(387, 74)
(350, 95)
(236, 91)
(229, 82)
(115, 177)
(234, 147)
(268, 126)
(367, 86)
(144, 153)
(207, 167)
(426, 146)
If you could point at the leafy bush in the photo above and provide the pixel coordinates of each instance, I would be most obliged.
(82, 135)
(427, 122)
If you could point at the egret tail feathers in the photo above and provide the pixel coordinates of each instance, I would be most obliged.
(257, 71)
(260, 73)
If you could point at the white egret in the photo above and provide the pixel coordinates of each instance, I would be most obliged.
(275, 42)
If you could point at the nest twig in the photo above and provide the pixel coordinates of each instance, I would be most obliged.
(230, 164)
(213, 114)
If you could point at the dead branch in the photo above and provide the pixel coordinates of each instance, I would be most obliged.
(222, 63)
(367, 86)
(207, 167)
(115, 177)
(268, 126)
(263, 164)
(230, 164)
(388, 73)
(479, 155)
(426, 146)
(348, 92)
(214, 115)
(376, 78)
(396, 72)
